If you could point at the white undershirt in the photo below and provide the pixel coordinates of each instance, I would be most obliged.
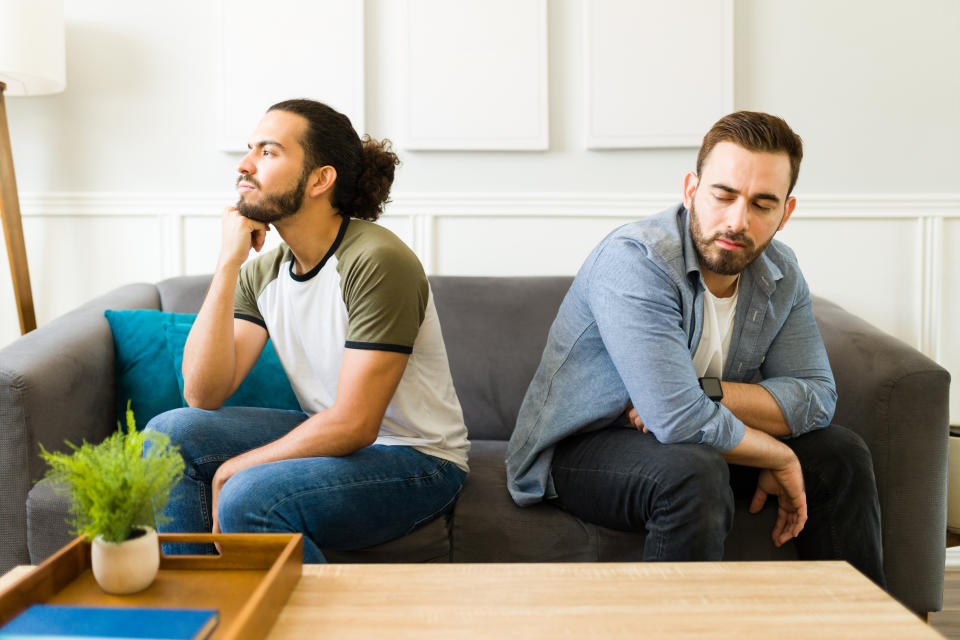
(718, 315)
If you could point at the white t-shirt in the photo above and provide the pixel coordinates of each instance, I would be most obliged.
(718, 315)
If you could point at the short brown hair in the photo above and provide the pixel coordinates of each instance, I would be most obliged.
(755, 131)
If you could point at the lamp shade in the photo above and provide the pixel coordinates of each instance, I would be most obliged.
(32, 52)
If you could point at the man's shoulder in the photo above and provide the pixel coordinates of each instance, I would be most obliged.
(658, 237)
(365, 241)
(263, 269)
(370, 253)
(781, 260)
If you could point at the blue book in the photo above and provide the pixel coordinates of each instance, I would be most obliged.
(47, 621)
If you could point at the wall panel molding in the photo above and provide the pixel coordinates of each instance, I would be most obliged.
(296, 49)
(546, 204)
(641, 60)
(476, 75)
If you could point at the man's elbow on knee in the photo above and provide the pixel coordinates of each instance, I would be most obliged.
(201, 398)
(676, 436)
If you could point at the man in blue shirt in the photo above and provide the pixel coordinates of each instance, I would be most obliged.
(684, 358)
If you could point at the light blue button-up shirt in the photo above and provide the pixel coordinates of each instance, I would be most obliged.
(627, 331)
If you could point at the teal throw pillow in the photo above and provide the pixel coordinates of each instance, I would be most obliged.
(148, 368)
(265, 386)
(144, 369)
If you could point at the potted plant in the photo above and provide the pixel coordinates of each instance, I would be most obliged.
(118, 490)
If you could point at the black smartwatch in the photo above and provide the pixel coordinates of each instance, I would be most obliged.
(711, 387)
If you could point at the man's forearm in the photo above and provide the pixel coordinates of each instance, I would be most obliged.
(761, 450)
(209, 356)
(755, 407)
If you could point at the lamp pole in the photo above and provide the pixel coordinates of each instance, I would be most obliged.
(12, 226)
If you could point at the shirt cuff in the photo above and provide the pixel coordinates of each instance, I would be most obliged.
(732, 431)
(798, 403)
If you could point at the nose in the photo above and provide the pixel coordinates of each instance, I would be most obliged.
(737, 215)
(246, 165)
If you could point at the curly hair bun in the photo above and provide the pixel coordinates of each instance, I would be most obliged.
(376, 176)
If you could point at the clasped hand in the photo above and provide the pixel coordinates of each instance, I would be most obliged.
(635, 420)
(220, 478)
(787, 485)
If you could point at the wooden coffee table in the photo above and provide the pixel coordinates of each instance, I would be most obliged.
(601, 600)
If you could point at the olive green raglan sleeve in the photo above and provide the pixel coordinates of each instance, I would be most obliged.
(255, 275)
(385, 291)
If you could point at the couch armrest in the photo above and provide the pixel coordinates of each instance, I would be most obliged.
(56, 384)
(897, 399)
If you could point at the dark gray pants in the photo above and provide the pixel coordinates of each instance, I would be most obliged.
(683, 494)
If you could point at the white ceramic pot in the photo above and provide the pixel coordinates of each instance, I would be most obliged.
(126, 567)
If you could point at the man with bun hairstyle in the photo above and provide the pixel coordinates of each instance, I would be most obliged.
(380, 447)
(685, 369)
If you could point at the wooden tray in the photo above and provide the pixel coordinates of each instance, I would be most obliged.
(249, 583)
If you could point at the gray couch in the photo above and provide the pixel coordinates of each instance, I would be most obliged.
(58, 383)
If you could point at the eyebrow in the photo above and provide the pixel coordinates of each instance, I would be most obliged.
(264, 143)
(757, 196)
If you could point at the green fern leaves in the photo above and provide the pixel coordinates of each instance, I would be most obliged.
(118, 485)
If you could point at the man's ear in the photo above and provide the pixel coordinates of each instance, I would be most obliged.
(321, 181)
(690, 182)
(788, 211)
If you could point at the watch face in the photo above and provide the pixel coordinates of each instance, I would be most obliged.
(711, 386)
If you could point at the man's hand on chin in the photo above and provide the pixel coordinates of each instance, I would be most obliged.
(238, 235)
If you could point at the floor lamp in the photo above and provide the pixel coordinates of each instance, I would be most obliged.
(32, 62)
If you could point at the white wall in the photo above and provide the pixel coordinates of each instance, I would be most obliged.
(121, 178)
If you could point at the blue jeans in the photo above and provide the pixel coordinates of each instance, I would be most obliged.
(683, 494)
(371, 496)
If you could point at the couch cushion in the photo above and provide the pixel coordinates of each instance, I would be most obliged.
(495, 330)
(489, 527)
(429, 543)
(47, 514)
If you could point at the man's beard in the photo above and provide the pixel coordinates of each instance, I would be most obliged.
(724, 262)
(273, 207)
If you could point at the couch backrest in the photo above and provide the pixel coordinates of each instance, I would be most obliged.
(183, 294)
(495, 330)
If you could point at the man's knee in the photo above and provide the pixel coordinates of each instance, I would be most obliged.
(174, 423)
(699, 485)
(180, 425)
(836, 459)
(248, 500)
(701, 471)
